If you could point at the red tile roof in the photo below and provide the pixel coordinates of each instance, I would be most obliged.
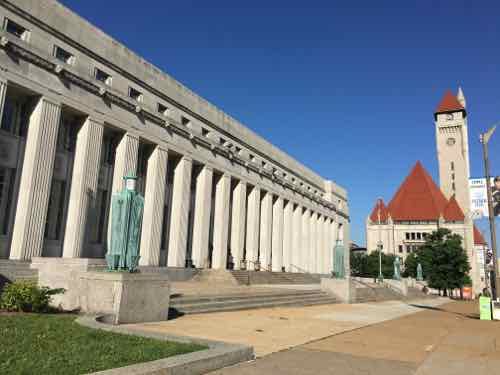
(478, 237)
(379, 206)
(418, 198)
(452, 211)
(449, 103)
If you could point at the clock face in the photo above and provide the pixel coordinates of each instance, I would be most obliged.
(449, 116)
(450, 141)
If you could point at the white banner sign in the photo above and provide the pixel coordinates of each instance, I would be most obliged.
(479, 197)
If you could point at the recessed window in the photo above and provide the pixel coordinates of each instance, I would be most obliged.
(452, 166)
(205, 132)
(135, 94)
(63, 55)
(407, 235)
(15, 29)
(162, 109)
(419, 236)
(400, 248)
(412, 235)
(453, 186)
(185, 121)
(102, 76)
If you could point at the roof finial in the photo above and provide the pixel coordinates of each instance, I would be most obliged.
(461, 97)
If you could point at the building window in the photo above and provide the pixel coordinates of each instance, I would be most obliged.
(413, 235)
(453, 176)
(408, 248)
(419, 236)
(102, 76)
(205, 132)
(162, 109)
(185, 121)
(15, 29)
(452, 166)
(453, 186)
(135, 94)
(407, 235)
(400, 248)
(63, 55)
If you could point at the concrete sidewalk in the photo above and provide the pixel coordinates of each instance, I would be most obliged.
(277, 329)
(448, 339)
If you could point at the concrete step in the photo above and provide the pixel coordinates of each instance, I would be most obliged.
(266, 277)
(233, 302)
(253, 303)
(17, 270)
(240, 296)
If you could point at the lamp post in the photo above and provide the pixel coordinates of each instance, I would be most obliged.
(484, 139)
(379, 246)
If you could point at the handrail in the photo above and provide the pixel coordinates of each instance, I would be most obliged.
(302, 270)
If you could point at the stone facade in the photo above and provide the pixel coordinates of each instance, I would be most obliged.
(79, 111)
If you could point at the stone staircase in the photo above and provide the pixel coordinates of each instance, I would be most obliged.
(180, 305)
(373, 292)
(266, 277)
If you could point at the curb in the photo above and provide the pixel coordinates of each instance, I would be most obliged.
(218, 355)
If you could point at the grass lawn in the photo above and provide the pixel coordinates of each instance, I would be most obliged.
(55, 344)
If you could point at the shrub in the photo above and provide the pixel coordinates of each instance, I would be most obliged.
(27, 296)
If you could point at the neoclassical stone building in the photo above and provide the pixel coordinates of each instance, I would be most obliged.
(79, 111)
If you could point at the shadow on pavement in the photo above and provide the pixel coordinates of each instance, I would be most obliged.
(435, 308)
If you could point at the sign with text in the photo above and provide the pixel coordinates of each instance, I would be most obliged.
(479, 196)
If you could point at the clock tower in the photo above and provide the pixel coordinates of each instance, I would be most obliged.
(452, 143)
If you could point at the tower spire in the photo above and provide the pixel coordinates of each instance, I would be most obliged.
(461, 97)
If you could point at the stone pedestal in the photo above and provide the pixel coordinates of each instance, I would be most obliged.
(129, 297)
(399, 286)
(343, 289)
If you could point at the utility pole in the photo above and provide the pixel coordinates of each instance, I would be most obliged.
(484, 139)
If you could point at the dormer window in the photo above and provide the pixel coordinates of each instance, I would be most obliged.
(102, 76)
(135, 94)
(162, 109)
(17, 30)
(63, 55)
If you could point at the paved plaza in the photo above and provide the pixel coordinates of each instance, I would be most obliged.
(448, 339)
(278, 329)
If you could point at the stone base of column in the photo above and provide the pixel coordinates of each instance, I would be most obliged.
(125, 297)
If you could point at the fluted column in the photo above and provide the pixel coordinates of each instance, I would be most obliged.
(201, 227)
(333, 229)
(125, 163)
(238, 223)
(266, 220)
(154, 204)
(180, 210)
(83, 192)
(253, 227)
(312, 242)
(3, 92)
(125, 160)
(221, 221)
(324, 249)
(297, 239)
(306, 242)
(277, 236)
(36, 178)
(347, 243)
(287, 236)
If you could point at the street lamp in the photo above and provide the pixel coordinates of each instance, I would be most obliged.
(379, 246)
(484, 138)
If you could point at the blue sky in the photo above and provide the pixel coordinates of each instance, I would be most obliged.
(346, 87)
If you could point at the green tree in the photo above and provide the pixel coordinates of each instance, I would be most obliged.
(363, 265)
(411, 263)
(444, 260)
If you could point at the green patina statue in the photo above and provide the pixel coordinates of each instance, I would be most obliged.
(126, 222)
(397, 269)
(338, 261)
(420, 274)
